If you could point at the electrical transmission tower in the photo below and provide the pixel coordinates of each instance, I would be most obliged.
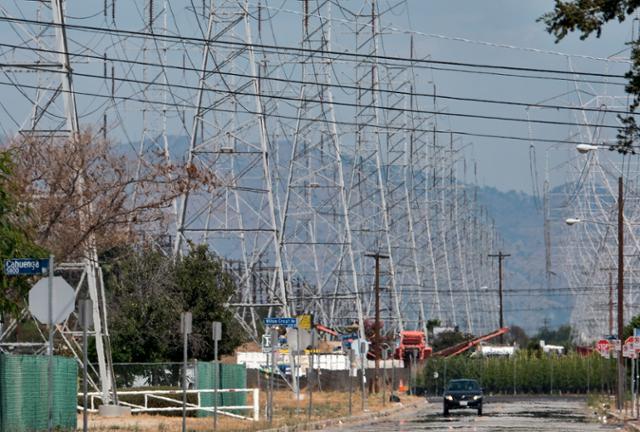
(319, 149)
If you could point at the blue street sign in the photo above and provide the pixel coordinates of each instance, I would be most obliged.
(286, 322)
(349, 336)
(26, 266)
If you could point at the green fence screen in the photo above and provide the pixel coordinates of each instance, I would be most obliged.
(231, 376)
(24, 391)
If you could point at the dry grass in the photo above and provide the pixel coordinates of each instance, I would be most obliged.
(287, 411)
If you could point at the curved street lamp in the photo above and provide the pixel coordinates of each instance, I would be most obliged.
(586, 148)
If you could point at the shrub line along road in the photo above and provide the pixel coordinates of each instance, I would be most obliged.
(503, 413)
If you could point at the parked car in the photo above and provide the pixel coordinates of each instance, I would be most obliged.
(462, 394)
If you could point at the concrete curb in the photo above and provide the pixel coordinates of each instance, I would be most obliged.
(631, 427)
(369, 417)
(627, 423)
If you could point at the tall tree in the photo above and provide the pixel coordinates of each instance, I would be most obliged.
(588, 17)
(82, 190)
(147, 291)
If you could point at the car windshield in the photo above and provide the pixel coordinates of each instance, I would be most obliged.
(463, 385)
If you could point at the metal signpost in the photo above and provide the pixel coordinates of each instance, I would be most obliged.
(352, 360)
(53, 310)
(629, 351)
(185, 329)
(289, 323)
(363, 348)
(216, 331)
(385, 355)
(311, 374)
(50, 349)
(274, 347)
(636, 347)
(85, 311)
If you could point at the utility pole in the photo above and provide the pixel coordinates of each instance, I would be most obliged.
(500, 257)
(610, 270)
(376, 352)
(621, 374)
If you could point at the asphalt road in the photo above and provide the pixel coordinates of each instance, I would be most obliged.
(503, 414)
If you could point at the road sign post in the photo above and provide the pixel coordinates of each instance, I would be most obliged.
(46, 312)
(351, 360)
(311, 375)
(85, 310)
(216, 330)
(385, 355)
(289, 323)
(50, 350)
(363, 348)
(274, 345)
(185, 328)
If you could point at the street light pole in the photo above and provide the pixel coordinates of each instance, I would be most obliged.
(621, 374)
(586, 148)
(610, 270)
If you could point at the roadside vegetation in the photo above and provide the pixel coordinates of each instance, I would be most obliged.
(523, 373)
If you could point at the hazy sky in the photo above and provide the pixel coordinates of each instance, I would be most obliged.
(486, 26)
(505, 164)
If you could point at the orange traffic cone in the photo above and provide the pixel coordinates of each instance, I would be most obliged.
(401, 387)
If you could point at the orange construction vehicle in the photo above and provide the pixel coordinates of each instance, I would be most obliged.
(413, 344)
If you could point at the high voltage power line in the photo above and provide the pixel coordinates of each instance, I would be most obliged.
(312, 120)
(319, 101)
(182, 68)
(414, 62)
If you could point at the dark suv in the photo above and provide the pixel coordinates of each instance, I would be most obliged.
(461, 394)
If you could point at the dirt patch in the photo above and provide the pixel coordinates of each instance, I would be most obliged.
(287, 411)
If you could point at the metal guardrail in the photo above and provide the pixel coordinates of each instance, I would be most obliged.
(163, 395)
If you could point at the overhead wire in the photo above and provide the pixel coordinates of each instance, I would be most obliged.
(357, 56)
(315, 120)
(228, 90)
(329, 85)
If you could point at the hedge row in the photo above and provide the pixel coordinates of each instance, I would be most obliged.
(523, 373)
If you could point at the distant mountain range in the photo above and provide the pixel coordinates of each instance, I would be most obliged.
(520, 224)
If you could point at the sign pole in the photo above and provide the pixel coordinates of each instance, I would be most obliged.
(186, 330)
(633, 385)
(50, 348)
(268, 385)
(384, 376)
(217, 335)
(216, 384)
(311, 374)
(297, 370)
(364, 377)
(274, 345)
(349, 378)
(393, 375)
(86, 308)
